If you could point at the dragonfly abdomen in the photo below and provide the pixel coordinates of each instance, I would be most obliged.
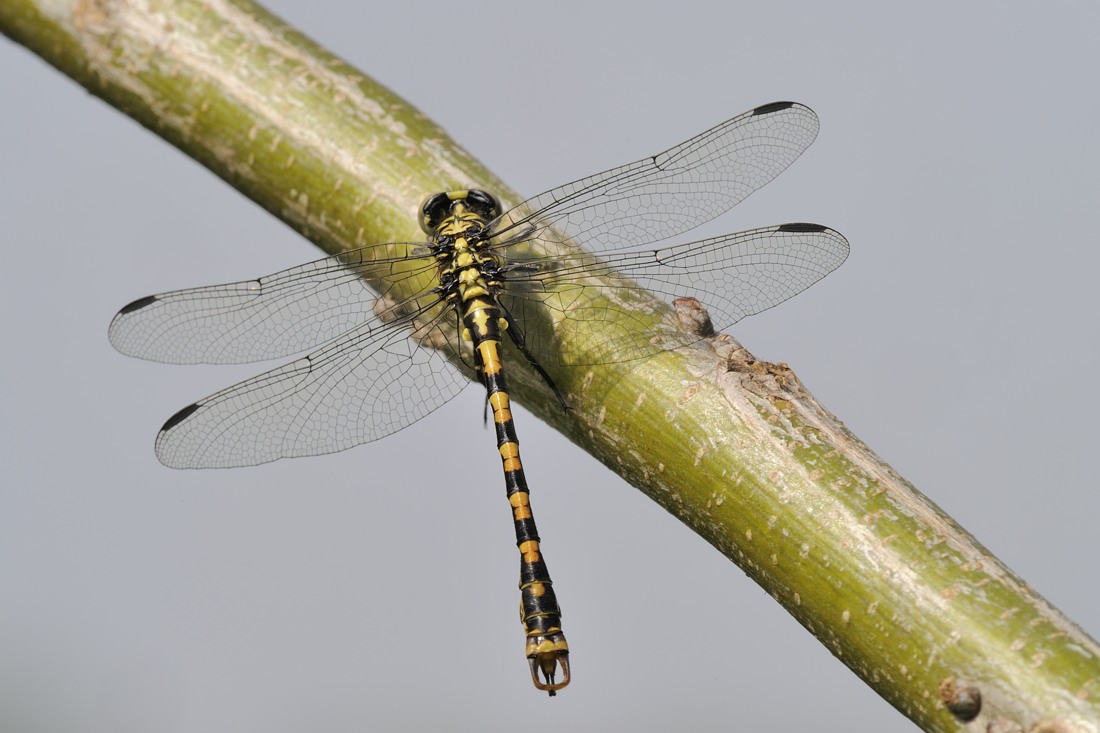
(546, 647)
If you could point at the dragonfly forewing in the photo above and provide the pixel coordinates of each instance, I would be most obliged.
(672, 192)
(277, 315)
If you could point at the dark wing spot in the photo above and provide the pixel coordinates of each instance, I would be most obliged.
(807, 228)
(138, 304)
(180, 417)
(767, 109)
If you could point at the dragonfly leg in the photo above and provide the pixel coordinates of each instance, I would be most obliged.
(517, 338)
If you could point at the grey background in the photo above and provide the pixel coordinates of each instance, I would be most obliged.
(957, 153)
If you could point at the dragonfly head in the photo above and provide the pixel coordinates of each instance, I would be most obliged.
(469, 205)
(545, 652)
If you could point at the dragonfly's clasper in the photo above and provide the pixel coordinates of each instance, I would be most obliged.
(545, 653)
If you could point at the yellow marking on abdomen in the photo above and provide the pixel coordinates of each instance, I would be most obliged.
(499, 402)
(547, 646)
(521, 505)
(490, 356)
(480, 320)
(510, 453)
(530, 551)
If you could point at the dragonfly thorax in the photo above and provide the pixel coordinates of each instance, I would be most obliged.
(458, 222)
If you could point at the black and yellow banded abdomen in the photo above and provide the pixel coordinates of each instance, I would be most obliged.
(546, 647)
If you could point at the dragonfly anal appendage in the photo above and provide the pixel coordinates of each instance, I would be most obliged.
(545, 653)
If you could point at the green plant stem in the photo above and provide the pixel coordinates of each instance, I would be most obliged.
(735, 448)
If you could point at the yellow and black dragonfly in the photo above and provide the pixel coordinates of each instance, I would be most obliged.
(392, 326)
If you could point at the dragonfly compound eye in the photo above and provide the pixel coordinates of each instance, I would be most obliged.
(483, 203)
(433, 211)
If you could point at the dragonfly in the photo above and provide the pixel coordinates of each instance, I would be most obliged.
(392, 331)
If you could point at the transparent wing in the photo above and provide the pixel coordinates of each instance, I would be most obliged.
(677, 190)
(733, 276)
(372, 375)
(268, 318)
(360, 387)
